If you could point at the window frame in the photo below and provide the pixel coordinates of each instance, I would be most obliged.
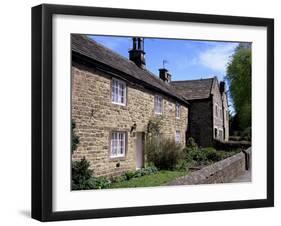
(178, 135)
(124, 144)
(178, 111)
(215, 132)
(118, 81)
(220, 134)
(155, 104)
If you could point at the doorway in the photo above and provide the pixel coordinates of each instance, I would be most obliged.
(139, 150)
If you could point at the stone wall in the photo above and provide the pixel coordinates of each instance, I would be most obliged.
(217, 103)
(96, 117)
(226, 116)
(220, 172)
(203, 120)
(200, 122)
(220, 121)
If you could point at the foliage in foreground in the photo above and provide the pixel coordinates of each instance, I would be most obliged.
(247, 134)
(160, 178)
(239, 76)
(81, 175)
(195, 156)
(163, 153)
(137, 173)
(177, 162)
(82, 179)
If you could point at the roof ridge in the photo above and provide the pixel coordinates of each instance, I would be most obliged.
(192, 80)
(128, 60)
(116, 53)
(96, 51)
(164, 83)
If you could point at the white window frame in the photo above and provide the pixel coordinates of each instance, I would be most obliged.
(220, 134)
(178, 136)
(158, 109)
(178, 110)
(118, 143)
(216, 135)
(117, 92)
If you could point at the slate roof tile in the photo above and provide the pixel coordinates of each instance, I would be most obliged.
(194, 89)
(85, 46)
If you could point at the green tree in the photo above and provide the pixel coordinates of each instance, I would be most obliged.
(239, 76)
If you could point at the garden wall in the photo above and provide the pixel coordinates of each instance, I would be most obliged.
(220, 172)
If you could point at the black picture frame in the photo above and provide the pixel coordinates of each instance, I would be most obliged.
(42, 111)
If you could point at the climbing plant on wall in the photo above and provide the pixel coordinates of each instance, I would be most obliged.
(75, 138)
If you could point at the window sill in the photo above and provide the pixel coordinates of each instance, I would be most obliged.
(116, 159)
(120, 104)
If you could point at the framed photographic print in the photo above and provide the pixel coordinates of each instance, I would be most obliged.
(146, 112)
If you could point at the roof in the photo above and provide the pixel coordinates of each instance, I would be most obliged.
(85, 46)
(194, 89)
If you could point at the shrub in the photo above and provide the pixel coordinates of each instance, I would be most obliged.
(148, 170)
(247, 134)
(134, 174)
(154, 126)
(203, 156)
(138, 173)
(81, 174)
(82, 179)
(163, 153)
(99, 182)
(183, 165)
(212, 155)
(191, 144)
(198, 157)
(129, 175)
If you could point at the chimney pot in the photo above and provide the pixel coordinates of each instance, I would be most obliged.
(136, 54)
(165, 75)
(222, 86)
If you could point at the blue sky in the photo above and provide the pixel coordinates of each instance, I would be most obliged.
(186, 59)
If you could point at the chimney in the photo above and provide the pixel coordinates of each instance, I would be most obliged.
(136, 54)
(222, 87)
(165, 75)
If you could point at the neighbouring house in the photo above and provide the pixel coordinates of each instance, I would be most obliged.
(208, 117)
(114, 99)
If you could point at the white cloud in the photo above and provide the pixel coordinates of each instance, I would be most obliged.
(217, 57)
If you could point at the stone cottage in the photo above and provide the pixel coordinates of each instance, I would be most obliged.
(208, 117)
(113, 100)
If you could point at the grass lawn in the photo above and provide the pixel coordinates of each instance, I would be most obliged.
(160, 178)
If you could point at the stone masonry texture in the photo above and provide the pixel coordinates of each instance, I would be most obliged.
(204, 121)
(221, 121)
(95, 117)
(200, 122)
(223, 171)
